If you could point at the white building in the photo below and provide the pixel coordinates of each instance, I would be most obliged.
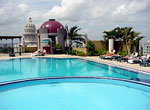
(146, 48)
(30, 35)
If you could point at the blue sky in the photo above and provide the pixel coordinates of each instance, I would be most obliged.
(93, 16)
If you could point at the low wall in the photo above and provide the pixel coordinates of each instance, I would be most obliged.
(118, 46)
(84, 50)
(29, 49)
(99, 45)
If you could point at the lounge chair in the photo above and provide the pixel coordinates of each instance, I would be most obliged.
(134, 58)
(129, 59)
(39, 53)
(117, 57)
(124, 59)
(108, 56)
(145, 61)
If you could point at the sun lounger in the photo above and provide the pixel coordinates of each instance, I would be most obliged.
(39, 53)
(134, 60)
(116, 57)
(110, 56)
(129, 59)
(123, 59)
(145, 61)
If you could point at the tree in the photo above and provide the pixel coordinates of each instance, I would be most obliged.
(113, 34)
(90, 47)
(72, 33)
(135, 39)
(131, 37)
(124, 34)
(126, 37)
(109, 35)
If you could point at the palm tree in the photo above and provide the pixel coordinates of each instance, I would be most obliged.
(124, 34)
(131, 37)
(109, 35)
(135, 39)
(126, 31)
(72, 33)
(113, 34)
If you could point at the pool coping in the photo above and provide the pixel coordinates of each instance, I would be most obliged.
(88, 77)
(51, 80)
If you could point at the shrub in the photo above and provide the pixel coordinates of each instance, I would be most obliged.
(29, 50)
(90, 48)
(80, 53)
(102, 51)
(122, 53)
(99, 52)
(58, 46)
(141, 53)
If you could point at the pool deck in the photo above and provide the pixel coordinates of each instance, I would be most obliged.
(136, 67)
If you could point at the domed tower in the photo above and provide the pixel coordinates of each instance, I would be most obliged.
(30, 35)
(55, 32)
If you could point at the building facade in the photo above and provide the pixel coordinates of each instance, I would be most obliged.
(145, 47)
(55, 32)
(30, 35)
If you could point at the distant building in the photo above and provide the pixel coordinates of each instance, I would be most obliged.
(145, 47)
(30, 35)
(51, 33)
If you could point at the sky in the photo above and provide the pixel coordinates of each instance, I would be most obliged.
(93, 16)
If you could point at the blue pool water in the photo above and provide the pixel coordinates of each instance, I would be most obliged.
(70, 84)
(15, 69)
(75, 94)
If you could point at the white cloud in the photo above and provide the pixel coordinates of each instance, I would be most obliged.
(75, 10)
(130, 9)
(1, 11)
(68, 10)
(37, 15)
(93, 16)
(120, 10)
(96, 12)
(12, 16)
(23, 7)
(11, 13)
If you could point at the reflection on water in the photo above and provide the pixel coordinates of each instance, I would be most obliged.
(52, 67)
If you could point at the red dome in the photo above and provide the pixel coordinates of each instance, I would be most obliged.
(52, 26)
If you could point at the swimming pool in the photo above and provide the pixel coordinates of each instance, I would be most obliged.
(70, 84)
(25, 68)
(74, 94)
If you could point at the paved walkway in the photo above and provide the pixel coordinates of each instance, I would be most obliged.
(94, 58)
(122, 64)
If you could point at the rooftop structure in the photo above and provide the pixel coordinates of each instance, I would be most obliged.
(12, 38)
(30, 36)
(52, 26)
(51, 33)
